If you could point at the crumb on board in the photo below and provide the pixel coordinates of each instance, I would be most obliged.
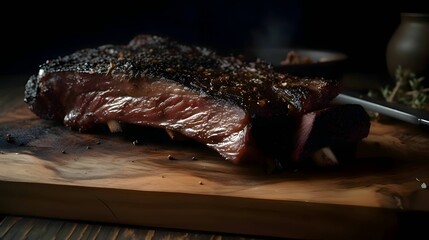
(9, 138)
(423, 185)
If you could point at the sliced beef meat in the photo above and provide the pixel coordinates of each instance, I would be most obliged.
(337, 127)
(160, 83)
(219, 124)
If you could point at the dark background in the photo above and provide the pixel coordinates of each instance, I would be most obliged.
(35, 33)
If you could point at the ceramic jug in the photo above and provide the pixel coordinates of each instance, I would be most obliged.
(409, 45)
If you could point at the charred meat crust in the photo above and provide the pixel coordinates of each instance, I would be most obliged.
(31, 89)
(253, 86)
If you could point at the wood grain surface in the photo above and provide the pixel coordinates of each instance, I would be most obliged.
(12, 228)
(48, 170)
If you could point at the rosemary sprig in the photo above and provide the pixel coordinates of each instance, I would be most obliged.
(408, 90)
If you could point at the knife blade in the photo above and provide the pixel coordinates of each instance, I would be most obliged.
(400, 112)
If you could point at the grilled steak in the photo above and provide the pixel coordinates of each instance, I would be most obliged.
(219, 101)
(336, 127)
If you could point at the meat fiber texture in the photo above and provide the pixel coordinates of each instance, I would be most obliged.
(222, 102)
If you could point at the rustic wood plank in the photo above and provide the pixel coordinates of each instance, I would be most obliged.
(40, 228)
(6, 225)
(66, 230)
(78, 231)
(52, 229)
(186, 211)
(91, 232)
(36, 156)
(115, 181)
(19, 230)
(108, 232)
(134, 234)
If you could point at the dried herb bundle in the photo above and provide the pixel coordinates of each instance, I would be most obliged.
(408, 90)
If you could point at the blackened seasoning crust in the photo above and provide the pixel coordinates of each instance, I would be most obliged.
(253, 86)
(156, 82)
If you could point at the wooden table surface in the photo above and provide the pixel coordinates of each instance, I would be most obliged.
(13, 228)
(52, 172)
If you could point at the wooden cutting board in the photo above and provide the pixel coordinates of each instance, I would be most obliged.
(50, 171)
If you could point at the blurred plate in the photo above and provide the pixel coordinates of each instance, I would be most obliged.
(327, 64)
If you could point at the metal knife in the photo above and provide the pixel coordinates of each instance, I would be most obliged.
(406, 114)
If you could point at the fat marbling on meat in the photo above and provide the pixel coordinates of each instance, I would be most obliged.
(153, 81)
